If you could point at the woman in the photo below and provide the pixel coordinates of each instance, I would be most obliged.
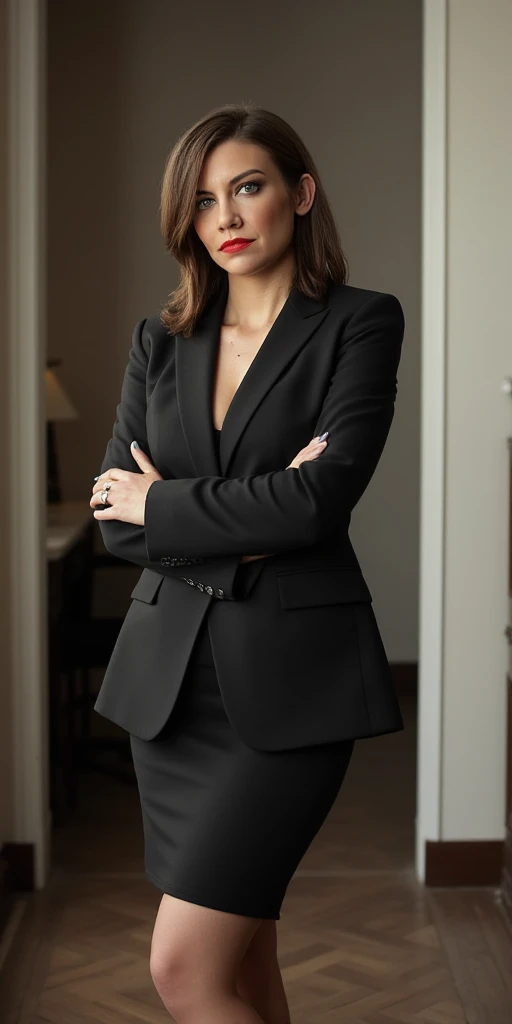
(250, 658)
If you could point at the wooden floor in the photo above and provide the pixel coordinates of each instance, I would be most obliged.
(360, 940)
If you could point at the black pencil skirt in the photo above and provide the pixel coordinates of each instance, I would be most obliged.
(225, 826)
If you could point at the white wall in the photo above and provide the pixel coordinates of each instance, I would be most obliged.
(126, 78)
(466, 420)
(478, 418)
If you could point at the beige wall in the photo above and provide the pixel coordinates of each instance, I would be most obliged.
(6, 710)
(478, 418)
(116, 104)
(125, 78)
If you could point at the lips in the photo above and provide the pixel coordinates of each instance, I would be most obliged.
(236, 245)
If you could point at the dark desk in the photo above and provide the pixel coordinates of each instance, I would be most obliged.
(69, 549)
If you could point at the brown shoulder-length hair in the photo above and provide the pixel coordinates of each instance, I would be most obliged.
(319, 258)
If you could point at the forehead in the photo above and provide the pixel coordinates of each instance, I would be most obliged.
(233, 157)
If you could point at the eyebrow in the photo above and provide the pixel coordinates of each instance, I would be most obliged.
(238, 177)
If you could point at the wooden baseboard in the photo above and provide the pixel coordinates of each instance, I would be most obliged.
(18, 861)
(5, 892)
(464, 862)
(405, 676)
(506, 886)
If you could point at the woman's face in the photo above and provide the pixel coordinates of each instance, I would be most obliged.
(256, 206)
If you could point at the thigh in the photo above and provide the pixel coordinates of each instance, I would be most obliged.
(199, 945)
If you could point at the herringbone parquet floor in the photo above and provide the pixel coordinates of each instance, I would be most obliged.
(360, 940)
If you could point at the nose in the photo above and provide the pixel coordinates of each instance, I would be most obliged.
(228, 216)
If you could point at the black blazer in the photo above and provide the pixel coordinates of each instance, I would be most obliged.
(297, 649)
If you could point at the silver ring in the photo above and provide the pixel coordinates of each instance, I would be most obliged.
(104, 493)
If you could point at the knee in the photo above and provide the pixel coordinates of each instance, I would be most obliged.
(172, 978)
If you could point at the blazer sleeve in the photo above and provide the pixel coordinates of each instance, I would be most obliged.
(128, 540)
(287, 509)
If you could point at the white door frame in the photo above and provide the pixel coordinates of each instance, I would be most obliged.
(27, 492)
(27, 442)
(433, 430)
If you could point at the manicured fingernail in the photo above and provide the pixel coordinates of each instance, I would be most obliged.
(95, 477)
(135, 444)
(323, 436)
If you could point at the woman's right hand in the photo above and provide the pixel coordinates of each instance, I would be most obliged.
(307, 454)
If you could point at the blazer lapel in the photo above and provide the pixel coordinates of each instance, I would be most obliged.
(196, 359)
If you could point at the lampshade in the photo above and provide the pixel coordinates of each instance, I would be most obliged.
(58, 405)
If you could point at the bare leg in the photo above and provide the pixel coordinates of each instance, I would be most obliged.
(259, 978)
(196, 954)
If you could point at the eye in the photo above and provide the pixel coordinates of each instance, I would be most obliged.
(198, 204)
(246, 184)
(255, 183)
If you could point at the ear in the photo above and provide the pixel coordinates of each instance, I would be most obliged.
(305, 194)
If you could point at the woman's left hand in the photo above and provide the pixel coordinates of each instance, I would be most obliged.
(127, 495)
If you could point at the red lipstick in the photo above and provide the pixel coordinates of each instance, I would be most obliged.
(235, 244)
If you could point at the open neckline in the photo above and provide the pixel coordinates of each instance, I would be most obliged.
(280, 315)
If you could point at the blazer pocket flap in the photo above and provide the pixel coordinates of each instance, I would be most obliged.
(147, 586)
(322, 586)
